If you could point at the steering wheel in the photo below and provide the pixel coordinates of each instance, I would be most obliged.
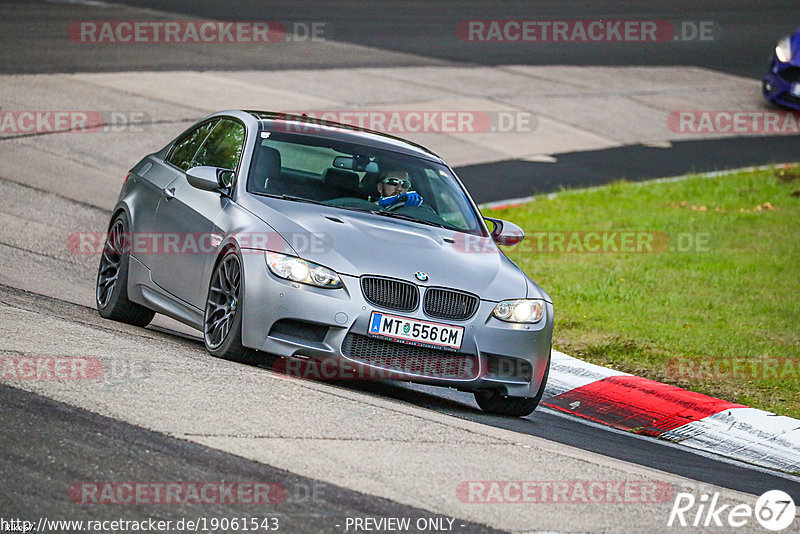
(397, 206)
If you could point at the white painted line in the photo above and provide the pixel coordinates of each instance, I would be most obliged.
(656, 144)
(540, 158)
(506, 203)
(698, 452)
(91, 3)
(568, 373)
(748, 434)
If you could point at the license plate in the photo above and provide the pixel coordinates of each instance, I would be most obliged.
(795, 90)
(415, 332)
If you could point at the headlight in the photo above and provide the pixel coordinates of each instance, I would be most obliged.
(302, 271)
(519, 311)
(784, 50)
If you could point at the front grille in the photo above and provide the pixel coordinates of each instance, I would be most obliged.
(450, 304)
(388, 293)
(408, 359)
(791, 75)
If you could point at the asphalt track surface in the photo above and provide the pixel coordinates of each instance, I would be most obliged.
(544, 423)
(490, 181)
(73, 444)
(744, 33)
(84, 444)
(551, 425)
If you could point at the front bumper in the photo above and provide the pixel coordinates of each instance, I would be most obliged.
(295, 320)
(781, 84)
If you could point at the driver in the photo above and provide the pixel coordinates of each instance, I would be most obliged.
(394, 189)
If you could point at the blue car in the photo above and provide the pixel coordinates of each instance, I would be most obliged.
(781, 84)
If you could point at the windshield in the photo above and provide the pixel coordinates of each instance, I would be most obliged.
(357, 177)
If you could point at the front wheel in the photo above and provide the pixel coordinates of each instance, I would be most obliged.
(222, 322)
(492, 401)
(111, 290)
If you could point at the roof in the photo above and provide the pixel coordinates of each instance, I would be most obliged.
(304, 125)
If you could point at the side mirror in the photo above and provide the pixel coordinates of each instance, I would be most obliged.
(506, 233)
(210, 178)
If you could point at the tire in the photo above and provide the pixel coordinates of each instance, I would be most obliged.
(492, 401)
(222, 320)
(111, 289)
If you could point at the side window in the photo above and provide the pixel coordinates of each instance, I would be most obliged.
(304, 158)
(223, 148)
(186, 148)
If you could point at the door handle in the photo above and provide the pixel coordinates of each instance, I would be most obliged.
(169, 194)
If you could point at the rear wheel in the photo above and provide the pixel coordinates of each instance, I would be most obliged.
(111, 292)
(222, 322)
(492, 401)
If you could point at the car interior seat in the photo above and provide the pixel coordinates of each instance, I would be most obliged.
(267, 170)
(340, 183)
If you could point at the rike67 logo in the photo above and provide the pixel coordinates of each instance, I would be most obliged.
(774, 510)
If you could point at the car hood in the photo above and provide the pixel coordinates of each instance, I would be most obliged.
(357, 243)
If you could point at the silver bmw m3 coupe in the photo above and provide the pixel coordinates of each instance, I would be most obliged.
(320, 242)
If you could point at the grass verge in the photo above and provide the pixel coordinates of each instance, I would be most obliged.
(696, 282)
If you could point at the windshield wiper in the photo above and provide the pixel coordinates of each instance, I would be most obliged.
(295, 198)
(353, 208)
(303, 199)
(408, 218)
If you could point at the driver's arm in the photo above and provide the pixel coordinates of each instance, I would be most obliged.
(412, 198)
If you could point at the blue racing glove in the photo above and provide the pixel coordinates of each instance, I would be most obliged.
(385, 202)
(412, 198)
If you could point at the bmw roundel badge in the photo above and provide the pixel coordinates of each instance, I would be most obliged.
(422, 277)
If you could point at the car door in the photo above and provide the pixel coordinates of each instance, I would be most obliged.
(186, 215)
(157, 176)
